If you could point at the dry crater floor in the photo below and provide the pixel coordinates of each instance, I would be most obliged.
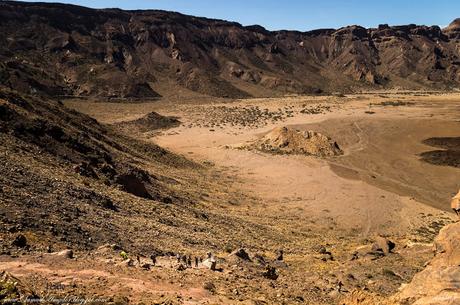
(388, 182)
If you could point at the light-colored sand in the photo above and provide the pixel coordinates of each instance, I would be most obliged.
(380, 185)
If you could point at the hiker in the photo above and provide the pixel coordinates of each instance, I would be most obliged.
(138, 258)
(178, 257)
(455, 204)
(196, 262)
(189, 261)
(279, 255)
(153, 257)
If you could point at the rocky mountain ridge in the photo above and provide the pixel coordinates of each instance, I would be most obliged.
(64, 49)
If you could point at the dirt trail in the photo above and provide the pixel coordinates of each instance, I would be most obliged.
(99, 274)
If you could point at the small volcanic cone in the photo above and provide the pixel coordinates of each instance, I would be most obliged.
(285, 140)
(151, 121)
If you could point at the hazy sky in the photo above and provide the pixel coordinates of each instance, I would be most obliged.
(301, 15)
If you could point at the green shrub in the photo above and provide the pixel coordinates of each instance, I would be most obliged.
(124, 255)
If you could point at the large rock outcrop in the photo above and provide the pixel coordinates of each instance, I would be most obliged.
(439, 282)
(453, 30)
(285, 140)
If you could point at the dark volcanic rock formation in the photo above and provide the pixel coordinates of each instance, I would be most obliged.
(149, 122)
(70, 50)
(57, 166)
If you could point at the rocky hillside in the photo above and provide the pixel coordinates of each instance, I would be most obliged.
(71, 50)
(68, 181)
(55, 161)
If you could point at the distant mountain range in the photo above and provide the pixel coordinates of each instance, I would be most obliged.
(61, 49)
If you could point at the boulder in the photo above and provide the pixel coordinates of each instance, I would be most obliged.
(326, 257)
(126, 263)
(383, 245)
(242, 254)
(133, 184)
(270, 273)
(20, 241)
(67, 253)
(324, 254)
(322, 250)
(210, 263)
(209, 286)
(108, 248)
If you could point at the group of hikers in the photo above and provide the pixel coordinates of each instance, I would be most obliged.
(188, 260)
(185, 261)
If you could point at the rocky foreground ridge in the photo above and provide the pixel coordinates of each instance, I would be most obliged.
(71, 50)
(436, 284)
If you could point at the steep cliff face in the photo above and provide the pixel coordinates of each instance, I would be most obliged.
(70, 50)
(439, 282)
